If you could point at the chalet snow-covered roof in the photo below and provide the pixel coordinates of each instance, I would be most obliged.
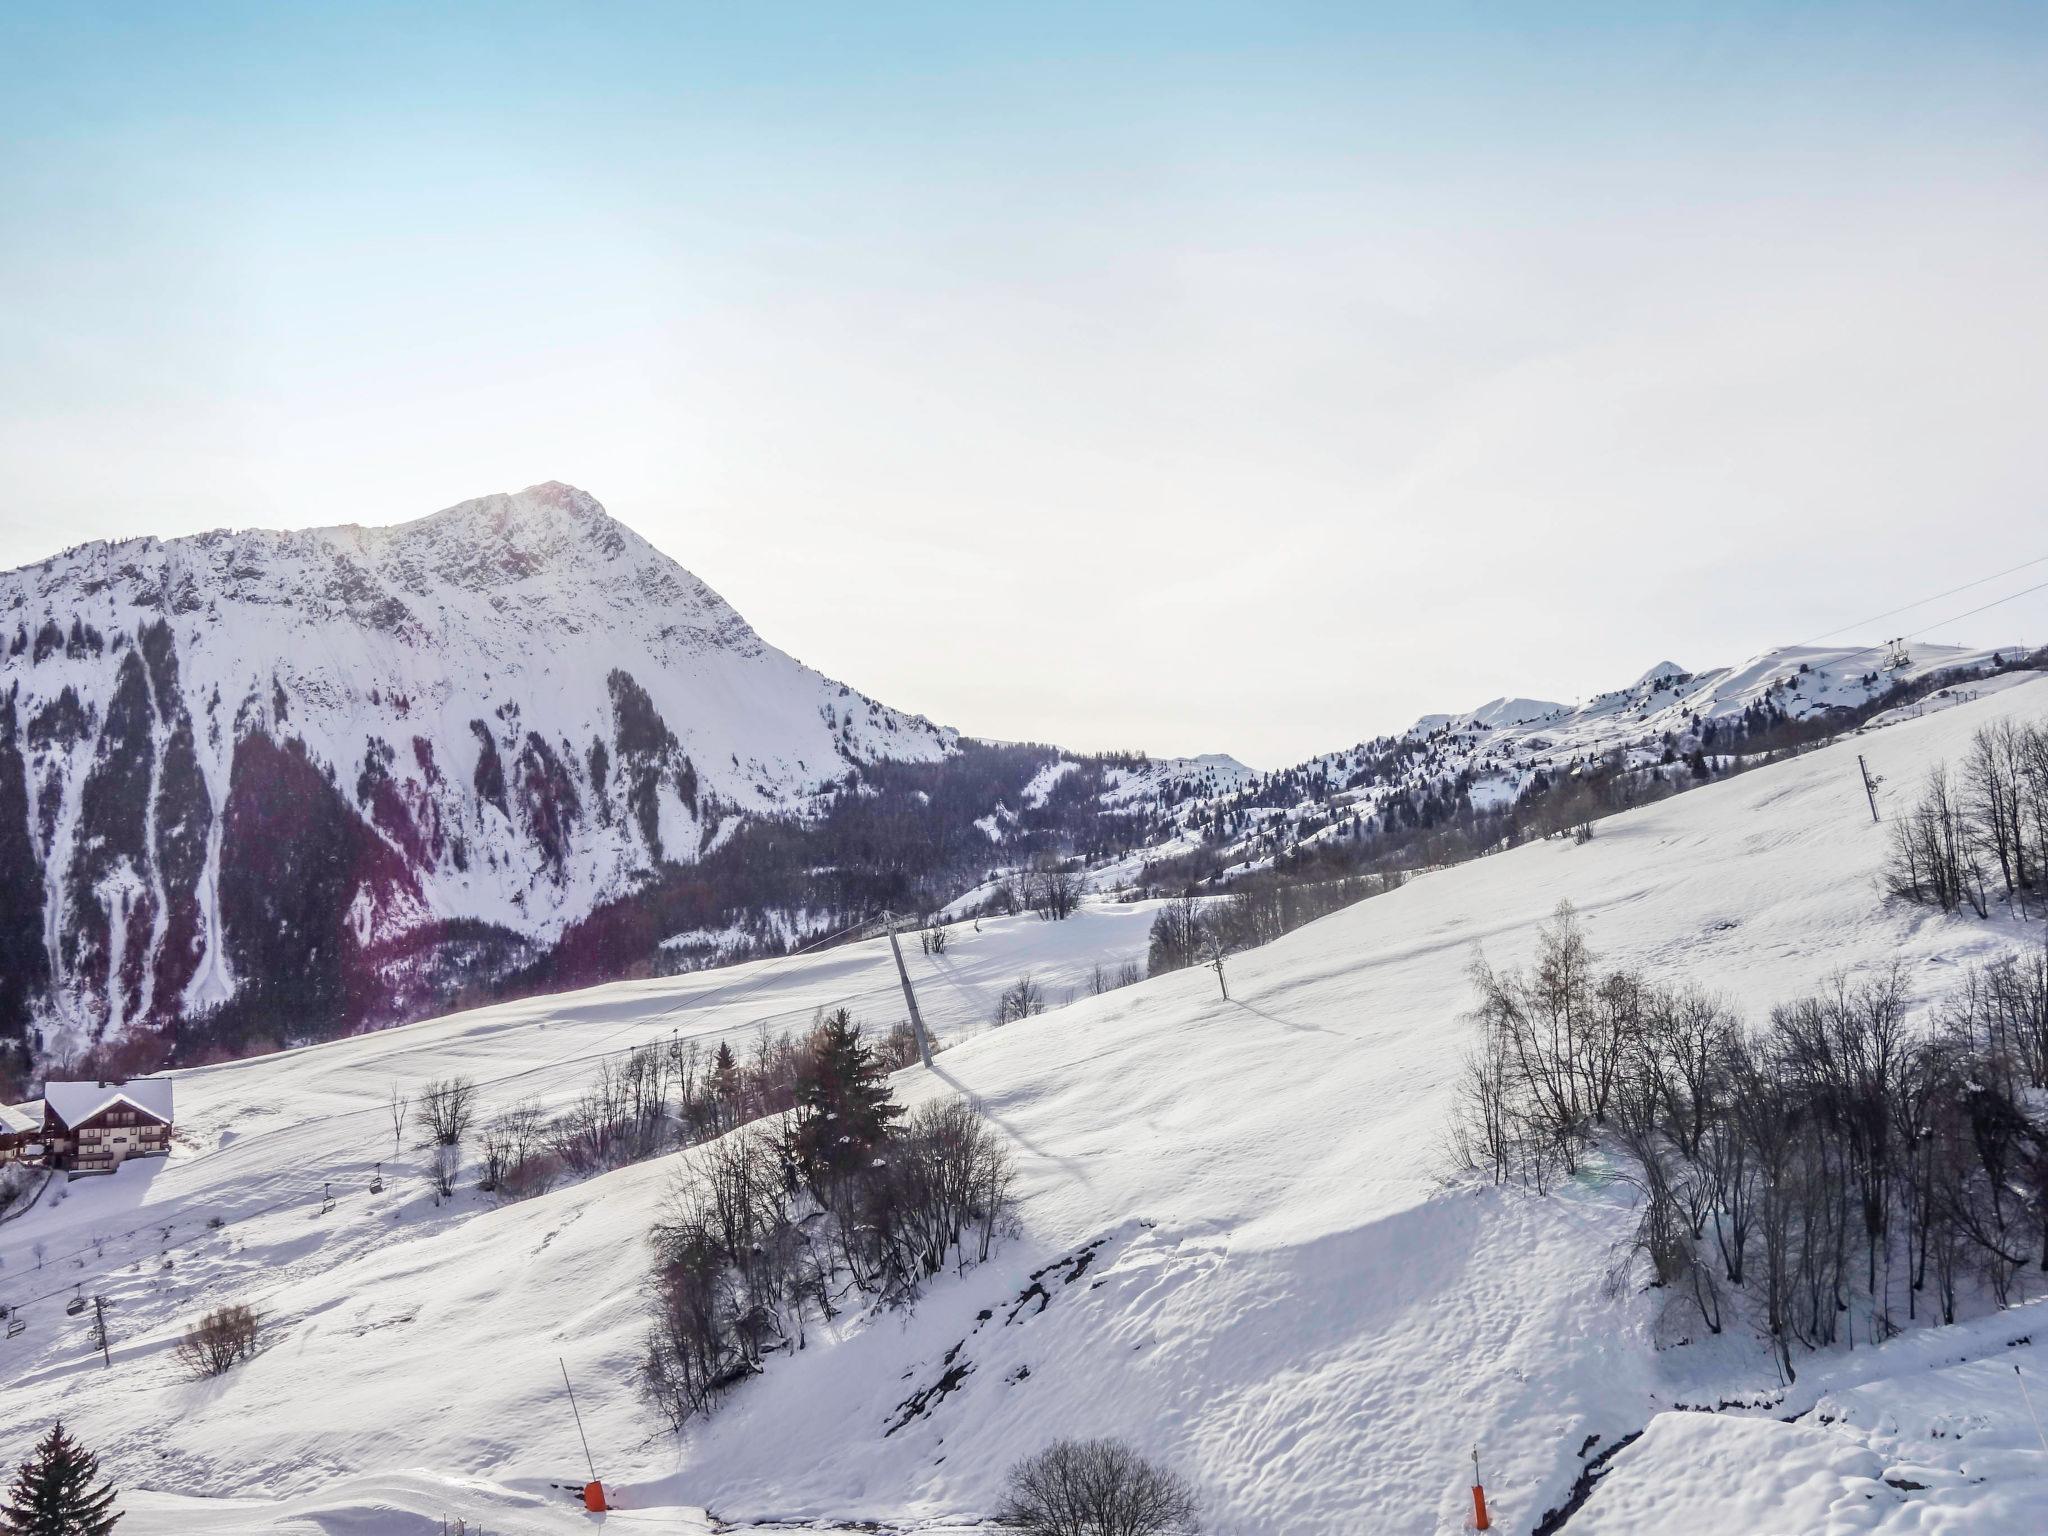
(76, 1103)
(17, 1118)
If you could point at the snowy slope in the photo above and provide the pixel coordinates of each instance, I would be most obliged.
(526, 706)
(1280, 1294)
(1933, 1435)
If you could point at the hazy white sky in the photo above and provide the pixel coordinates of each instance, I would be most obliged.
(1196, 378)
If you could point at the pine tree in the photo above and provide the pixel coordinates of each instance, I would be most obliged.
(844, 1109)
(53, 1493)
(725, 1083)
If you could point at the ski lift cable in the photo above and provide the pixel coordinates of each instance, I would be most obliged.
(737, 990)
(301, 1198)
(1922, 602)
(1953, 618)
(302, 1191)
(752, 984)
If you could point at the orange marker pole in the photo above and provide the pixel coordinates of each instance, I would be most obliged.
(1479, 1520)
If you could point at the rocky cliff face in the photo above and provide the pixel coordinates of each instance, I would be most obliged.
(325, 767)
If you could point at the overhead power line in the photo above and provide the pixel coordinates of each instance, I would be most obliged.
(1933, 598)
(1954, 618)
(727, 994)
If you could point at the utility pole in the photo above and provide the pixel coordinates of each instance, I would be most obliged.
(99, 1312)
(579, 1418)
(924, 1048)
(1869, 785)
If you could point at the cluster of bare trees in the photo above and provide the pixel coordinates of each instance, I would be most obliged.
(1053, 892)
(770, 1227)
(638, 1105)
(1189, 932)
(1049, 889)
(1813, 1177)
(1106, 978)
(1986, 822)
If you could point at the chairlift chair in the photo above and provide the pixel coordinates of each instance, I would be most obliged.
(16, 1327)
(74, 1306)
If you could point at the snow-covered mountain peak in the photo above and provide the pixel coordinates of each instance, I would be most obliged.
(506, 712)
(1659, 672)
(505, 540)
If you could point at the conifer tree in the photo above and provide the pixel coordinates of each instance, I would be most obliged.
(53, 1493)
(844, 1108)
(725, 1084)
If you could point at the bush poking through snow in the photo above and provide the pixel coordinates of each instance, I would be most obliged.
(1097, 1488)
(1102, 979)
(218, 1341)
(16, 1180)
(1023, 1001)
(897, 1048)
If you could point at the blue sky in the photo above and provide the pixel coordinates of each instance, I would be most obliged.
(1246, 378)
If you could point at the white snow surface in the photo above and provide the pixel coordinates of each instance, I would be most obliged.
(1933, 1436)
(1284, 1295)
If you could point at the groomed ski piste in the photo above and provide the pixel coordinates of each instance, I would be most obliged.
(1241, 1247)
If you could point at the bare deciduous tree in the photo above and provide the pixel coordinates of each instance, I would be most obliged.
(1176, 936)
(447, 1165)
(1097, 1488)
(399, 1106)
(449, 1107)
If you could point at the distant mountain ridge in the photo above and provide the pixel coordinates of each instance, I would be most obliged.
(259, 787)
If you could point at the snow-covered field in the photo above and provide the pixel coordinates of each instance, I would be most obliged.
(1933, 1435)
(1280, 1292)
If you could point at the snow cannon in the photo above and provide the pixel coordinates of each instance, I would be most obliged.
(1479, 1520)
(593, 1497)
